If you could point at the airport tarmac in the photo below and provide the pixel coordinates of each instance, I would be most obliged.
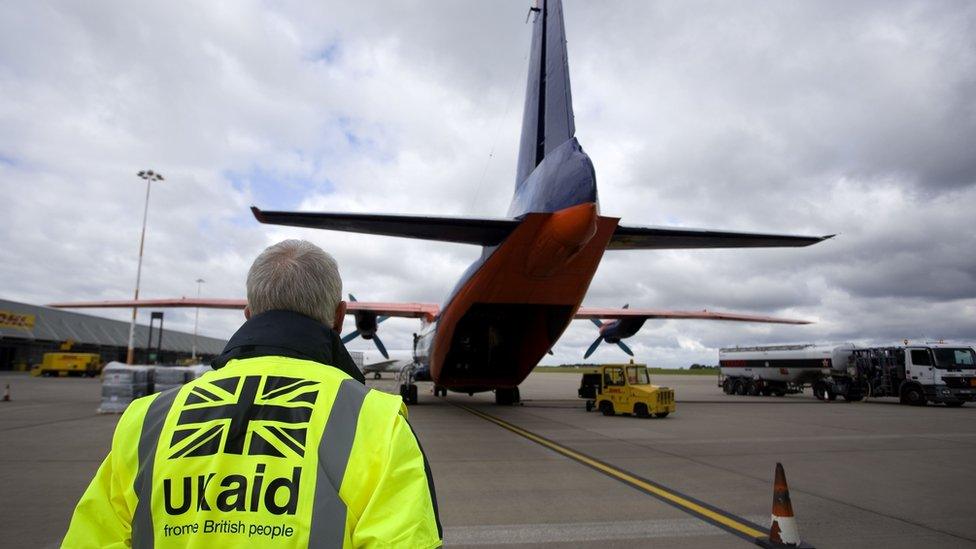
(873, 473)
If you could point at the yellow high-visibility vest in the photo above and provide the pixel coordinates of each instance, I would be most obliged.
(268, 451)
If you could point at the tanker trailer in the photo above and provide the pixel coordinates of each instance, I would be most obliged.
(781, 369)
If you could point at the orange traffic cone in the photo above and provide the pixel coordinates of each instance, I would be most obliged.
(6, 393)
(782, 530)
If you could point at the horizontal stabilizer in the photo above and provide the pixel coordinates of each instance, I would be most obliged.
(670, 238)
(596, 313)
(462, 230)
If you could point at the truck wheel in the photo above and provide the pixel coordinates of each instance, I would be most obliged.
(954, 403)
(640, 410)
(831, 395)
(606, 408)
(780, 392)
(912, 395)
(727, 386)
(661, 414)
(820, 390)
(589, 405)
(752, 388)
(740, 387)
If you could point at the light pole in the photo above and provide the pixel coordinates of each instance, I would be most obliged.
(149, 176)
(196, 320)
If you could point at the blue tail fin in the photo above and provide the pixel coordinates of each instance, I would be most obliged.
(547, 121)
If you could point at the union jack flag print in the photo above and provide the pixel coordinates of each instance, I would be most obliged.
(256, 415)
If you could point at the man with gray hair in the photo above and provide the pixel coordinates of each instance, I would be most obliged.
(281, 445)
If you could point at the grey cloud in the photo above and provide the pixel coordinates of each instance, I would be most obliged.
(816, 118)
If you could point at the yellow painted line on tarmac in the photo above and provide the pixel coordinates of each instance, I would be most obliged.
(727, 521)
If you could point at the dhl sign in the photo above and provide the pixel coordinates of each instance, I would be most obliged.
(16, 320)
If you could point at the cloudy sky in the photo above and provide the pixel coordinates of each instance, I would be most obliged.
(814, 118)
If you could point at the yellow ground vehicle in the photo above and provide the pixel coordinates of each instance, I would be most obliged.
(625, 389)
(68, 364)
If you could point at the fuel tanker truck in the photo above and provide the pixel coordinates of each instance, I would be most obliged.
(915, 373)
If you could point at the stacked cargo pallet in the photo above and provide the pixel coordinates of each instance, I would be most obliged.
(197, 370)
(168, 377)
(121, 384)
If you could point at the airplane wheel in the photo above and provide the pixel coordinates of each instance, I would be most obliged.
(507, 396)
(408, 393)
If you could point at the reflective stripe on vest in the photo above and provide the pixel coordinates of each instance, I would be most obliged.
(152, 425)
(329, 511)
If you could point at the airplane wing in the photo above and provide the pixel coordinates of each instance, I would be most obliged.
(406, 310)
(381, 366)
(603, 313)
(203, 303)
(670, 238)
(463, 230)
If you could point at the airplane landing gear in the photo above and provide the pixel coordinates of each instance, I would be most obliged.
(507, 397)
(408, 391)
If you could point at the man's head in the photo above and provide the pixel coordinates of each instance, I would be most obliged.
(298, 276)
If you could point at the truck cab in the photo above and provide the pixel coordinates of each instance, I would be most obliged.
(939, 373)
(625, 389)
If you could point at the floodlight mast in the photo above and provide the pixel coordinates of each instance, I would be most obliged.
(149, 176)
(196, 321)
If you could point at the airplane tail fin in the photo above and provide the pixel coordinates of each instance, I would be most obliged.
(547, 120)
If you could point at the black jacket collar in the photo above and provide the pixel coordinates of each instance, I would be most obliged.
(284, 333)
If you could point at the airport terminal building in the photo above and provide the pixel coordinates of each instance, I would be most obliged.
(28, 331)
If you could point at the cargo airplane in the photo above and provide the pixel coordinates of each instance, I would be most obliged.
(512, 304)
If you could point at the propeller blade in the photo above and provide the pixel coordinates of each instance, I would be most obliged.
(626, 305)
(352, 297)
(380, 319)
(626, 349)
(550, 352)
(381, 347)
(593, 347)
(350, 336)
(599, 323)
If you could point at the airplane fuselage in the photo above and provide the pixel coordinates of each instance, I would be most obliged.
(514, 302)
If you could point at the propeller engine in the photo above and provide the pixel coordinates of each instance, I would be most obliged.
(613, 332)
(367, 324)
